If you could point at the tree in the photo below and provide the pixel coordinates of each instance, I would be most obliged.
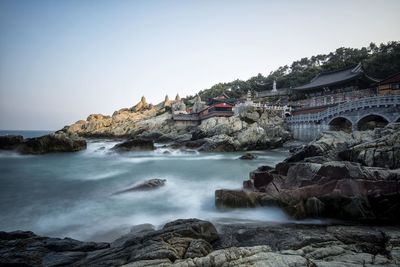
(378, 62)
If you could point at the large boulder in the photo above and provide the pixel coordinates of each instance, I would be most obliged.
(248, 156)
(134, 145)
(261, 178)
(249, 115)
(8, 142)
(55, 142)
(381, 152)
(225, 198)
(219, 143)
(328, 144)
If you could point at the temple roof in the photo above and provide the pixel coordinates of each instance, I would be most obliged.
(336, 77)
(391, 79)
(222, 105)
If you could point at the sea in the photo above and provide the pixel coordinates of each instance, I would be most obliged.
(72, 194)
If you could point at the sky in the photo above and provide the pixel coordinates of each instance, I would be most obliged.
(63, 60)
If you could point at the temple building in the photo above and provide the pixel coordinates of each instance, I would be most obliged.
(330, 88)
(220, 106)
(390, 85)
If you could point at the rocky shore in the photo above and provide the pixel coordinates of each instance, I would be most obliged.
(251, 129)
(195, 242)
(350, 176)
(353, 177)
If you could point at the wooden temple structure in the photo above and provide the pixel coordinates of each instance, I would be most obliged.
(220, 106)
(331, 88)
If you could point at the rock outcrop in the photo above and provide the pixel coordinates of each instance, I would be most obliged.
(54, 142)
(134, 145)
(237, 133)
(248, 156)
(194, 242)
(316, 182)
(382, 151)
(265, 130)
(144, 186)
(176, 240)
(9, 142)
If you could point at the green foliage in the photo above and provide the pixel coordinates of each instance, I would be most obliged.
(378, 62)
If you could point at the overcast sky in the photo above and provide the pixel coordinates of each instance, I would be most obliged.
(63, 60)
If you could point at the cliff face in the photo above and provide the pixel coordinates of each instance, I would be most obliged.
(251, 129)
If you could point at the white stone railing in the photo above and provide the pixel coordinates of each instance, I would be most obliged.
(368, 102)
(264, 106)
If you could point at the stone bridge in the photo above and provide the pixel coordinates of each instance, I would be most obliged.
(362, 114)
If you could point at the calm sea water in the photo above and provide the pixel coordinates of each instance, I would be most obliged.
(25, 134)
(71, 194)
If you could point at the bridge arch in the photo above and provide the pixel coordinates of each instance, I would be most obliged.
(340, 123)
(372, 121)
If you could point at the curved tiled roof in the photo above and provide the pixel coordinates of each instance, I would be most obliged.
(391, 79)
(335, 77)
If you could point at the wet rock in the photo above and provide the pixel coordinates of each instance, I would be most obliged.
(146, 185)
(312, 207)
(8, 142)
(314, 182)
(219, 143)
(248, 156)
(282, 168)
(195, 243)
(261, 179)
(176, 240)
(135, 145)
(55, 142)
(225, 198)
(248, 185)
(27, 249)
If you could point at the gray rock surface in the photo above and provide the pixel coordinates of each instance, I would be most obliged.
(249, 131)
(54, 142)
(248, 156)
(197, 243)
(134, 145)
(316, 182)
(8, 142)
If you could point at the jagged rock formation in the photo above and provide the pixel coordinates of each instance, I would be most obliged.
(142, 105)
(194, 242)
(316, 182)
(176, 240)
(238, 133)
(250, 130)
